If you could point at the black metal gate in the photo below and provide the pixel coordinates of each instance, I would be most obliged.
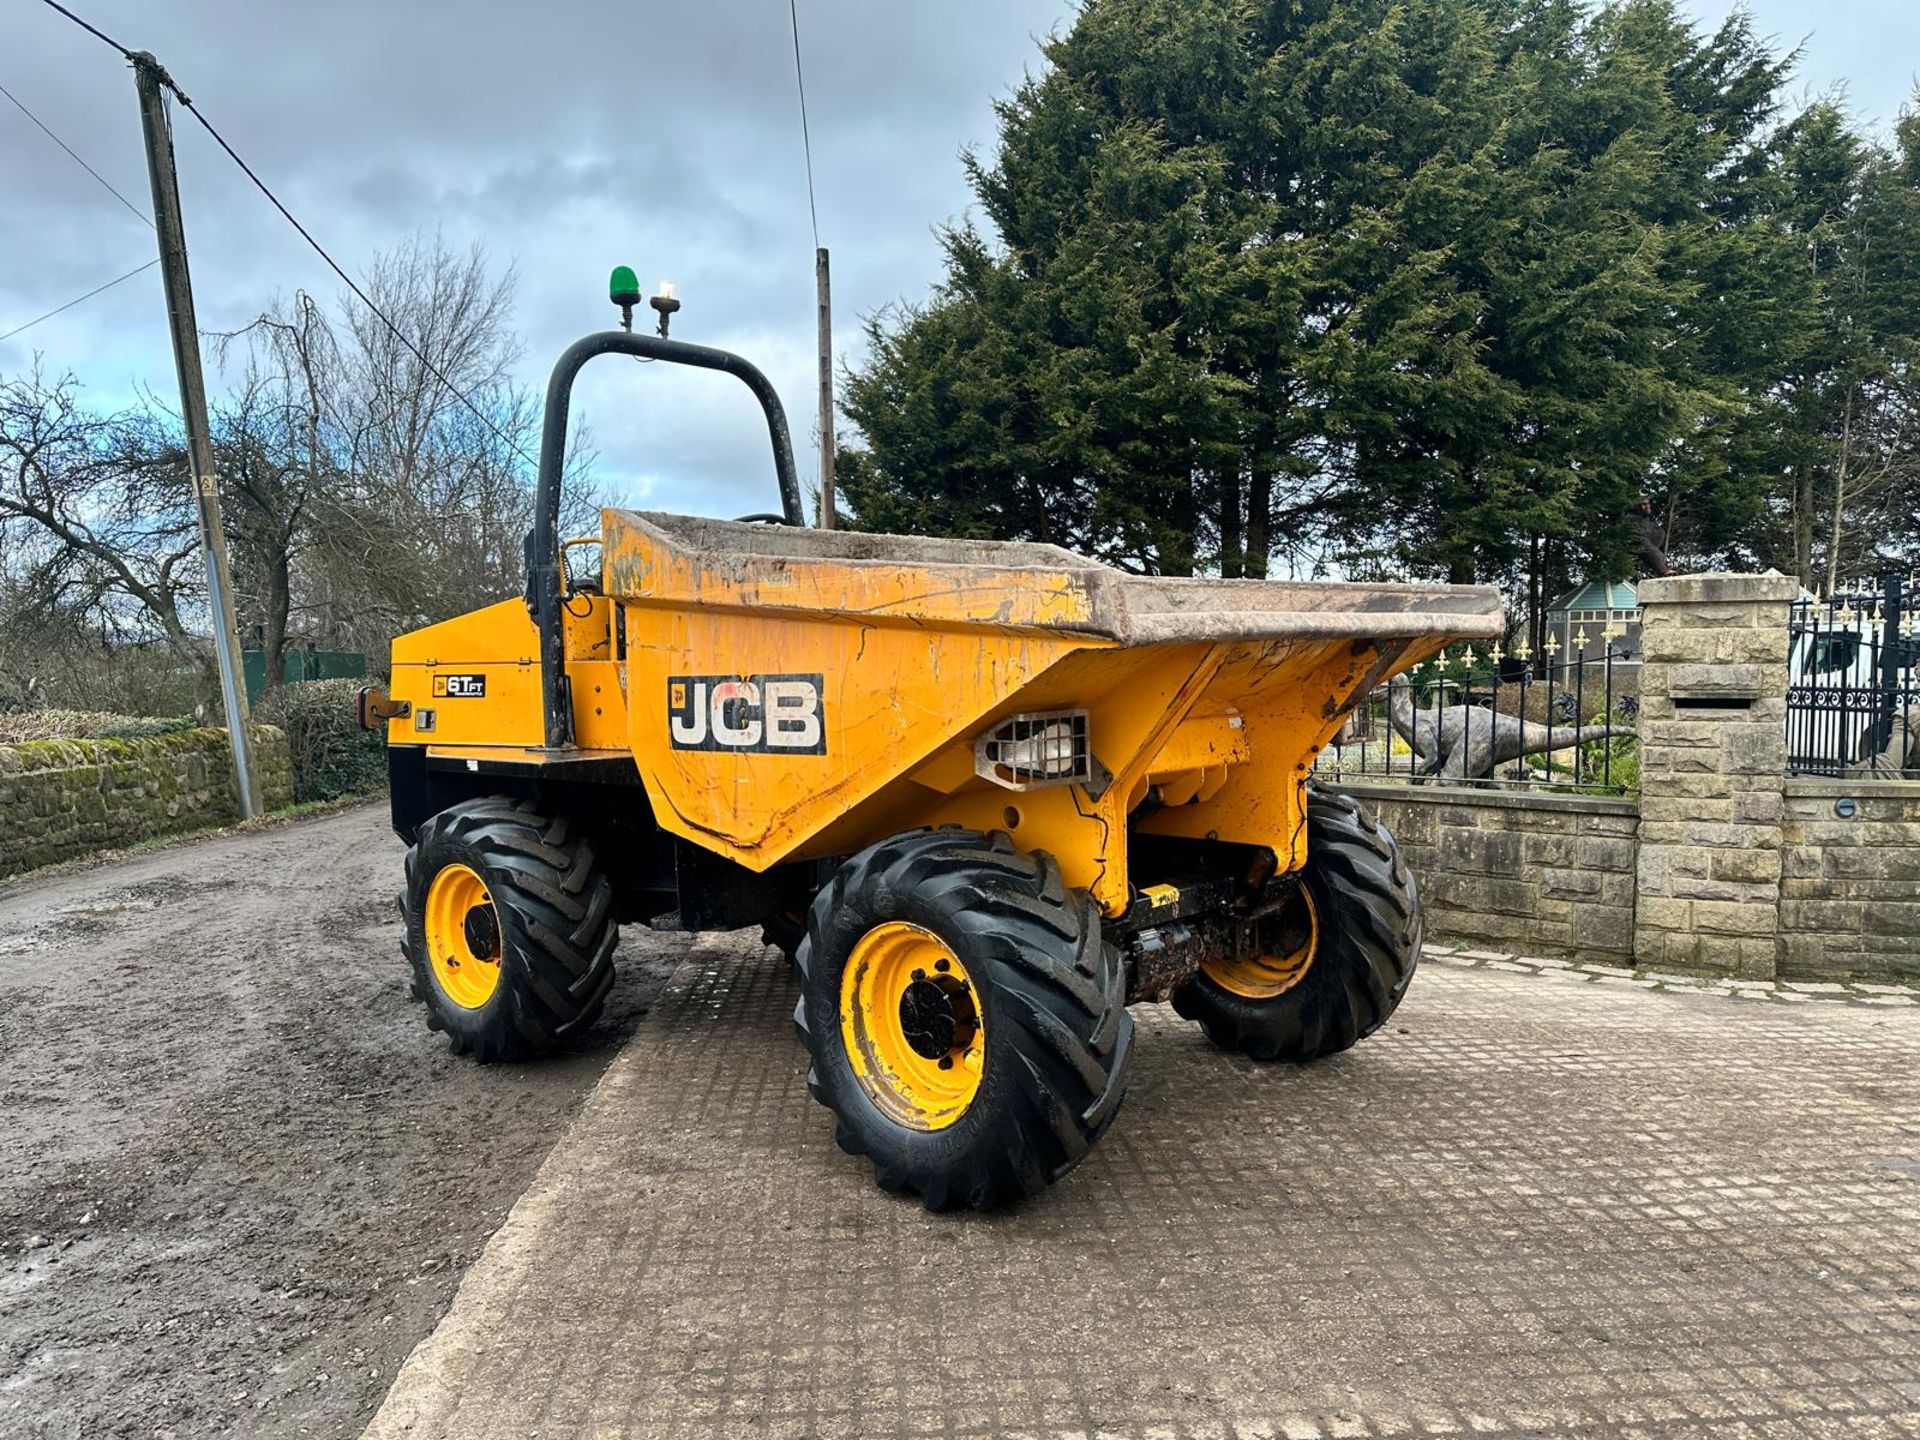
(1853, 689)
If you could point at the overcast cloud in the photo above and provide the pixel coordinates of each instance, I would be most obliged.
(569, 137)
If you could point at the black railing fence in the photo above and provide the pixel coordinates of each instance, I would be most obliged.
(1853, 689)
(1484, 716)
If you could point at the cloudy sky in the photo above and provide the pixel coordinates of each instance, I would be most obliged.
(570, 137)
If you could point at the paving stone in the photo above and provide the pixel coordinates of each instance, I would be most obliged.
(1815, 987)
(1519, 1209)
(1481, 955)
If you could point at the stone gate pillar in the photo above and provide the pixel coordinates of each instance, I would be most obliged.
(1713, 754)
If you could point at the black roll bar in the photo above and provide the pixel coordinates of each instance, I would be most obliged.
(545, 580)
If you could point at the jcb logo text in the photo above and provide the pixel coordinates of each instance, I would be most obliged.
(752, 714)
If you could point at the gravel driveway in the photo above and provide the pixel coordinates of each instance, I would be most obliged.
(239, 1179)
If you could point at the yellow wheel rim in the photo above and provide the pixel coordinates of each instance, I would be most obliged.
(463, 936)
(1293, 934)
(910, 1016)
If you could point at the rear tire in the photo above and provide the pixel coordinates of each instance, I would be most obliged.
(538, 907)
(1044, 995)
(1366, 947)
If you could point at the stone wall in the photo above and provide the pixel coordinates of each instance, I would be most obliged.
(1722, 864)
(1521, 871)
(1850, 880)
(61, 799)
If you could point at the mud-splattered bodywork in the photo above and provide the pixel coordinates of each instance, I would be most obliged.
(788, 694)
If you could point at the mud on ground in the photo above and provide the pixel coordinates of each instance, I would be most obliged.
(238, 1177)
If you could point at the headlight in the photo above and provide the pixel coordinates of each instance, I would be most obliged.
(1025, 752)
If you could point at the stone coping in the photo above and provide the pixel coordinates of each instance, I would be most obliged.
(1792, 992)
(1824, 787)
(1496, 799)
(1718, 588)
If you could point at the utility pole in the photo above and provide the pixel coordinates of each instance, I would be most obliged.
(153, 82)
(824, 285)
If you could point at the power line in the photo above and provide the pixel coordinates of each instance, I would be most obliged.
(91, 30)
(806, 140)
(347, 279)
(304, 233)
(88, 296)
(75, 158)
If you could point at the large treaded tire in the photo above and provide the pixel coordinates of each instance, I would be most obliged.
(1369, 945)
(557, 927)
(1053, 1005)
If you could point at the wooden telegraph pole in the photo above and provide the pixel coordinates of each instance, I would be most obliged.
(824, 286)
(153, 82)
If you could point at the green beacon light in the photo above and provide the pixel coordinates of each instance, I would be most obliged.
(623, 289)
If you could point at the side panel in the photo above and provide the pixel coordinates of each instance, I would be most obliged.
(475, 679)
(755, 733)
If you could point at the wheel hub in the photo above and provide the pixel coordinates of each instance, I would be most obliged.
(482, 929)
(462, 935)
(1280, 957)
(937, 1017)
(912, 1025)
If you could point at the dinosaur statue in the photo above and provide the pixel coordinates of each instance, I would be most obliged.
(1898, 757)
(1467, 742)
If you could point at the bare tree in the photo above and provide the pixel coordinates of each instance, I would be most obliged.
(372, 488)
(366, 489)
(98, 517)
(277, 463)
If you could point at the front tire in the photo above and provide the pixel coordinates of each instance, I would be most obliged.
(967, 1023)
(1348, 948)
(510, 929)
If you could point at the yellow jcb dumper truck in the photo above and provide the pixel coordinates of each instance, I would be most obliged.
(985, 795)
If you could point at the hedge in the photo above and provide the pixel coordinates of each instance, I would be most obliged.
(332, 755)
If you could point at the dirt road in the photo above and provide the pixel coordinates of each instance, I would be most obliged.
(238, 1177)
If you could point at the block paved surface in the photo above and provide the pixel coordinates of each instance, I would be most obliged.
(1536, 1204)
